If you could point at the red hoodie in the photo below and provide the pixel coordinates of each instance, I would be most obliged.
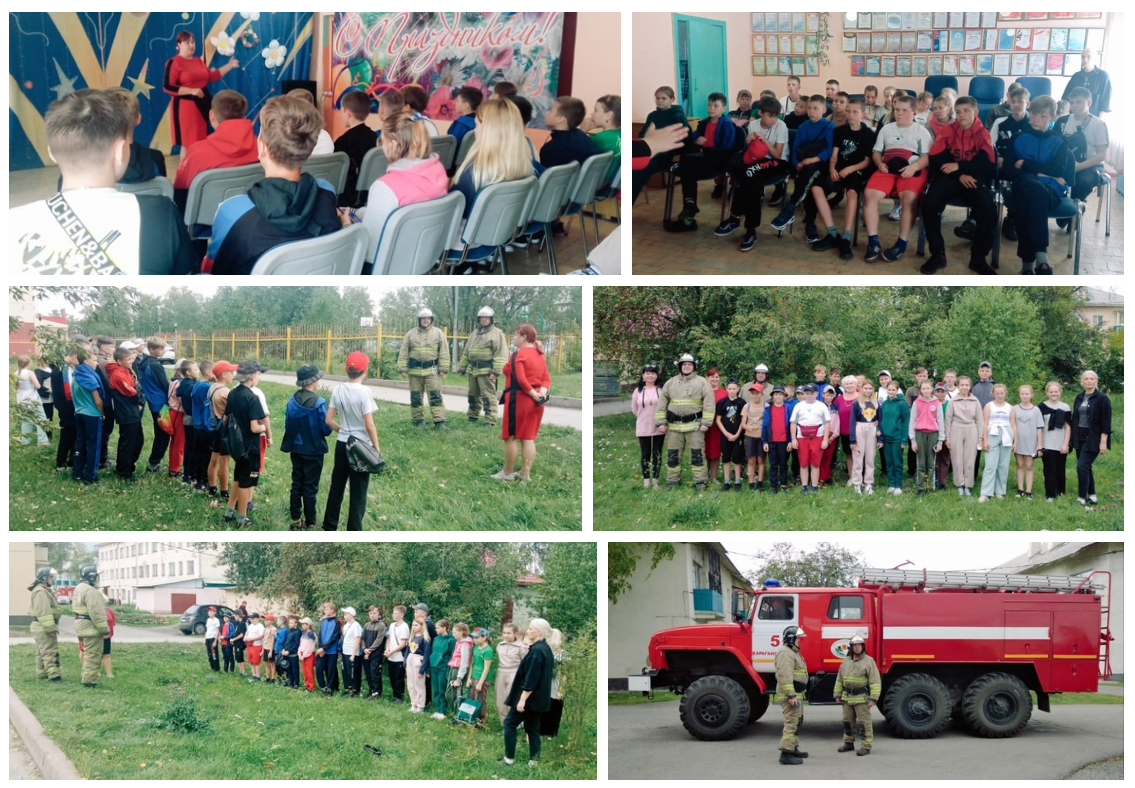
(231, 145)
(122, 380)
(971, 149)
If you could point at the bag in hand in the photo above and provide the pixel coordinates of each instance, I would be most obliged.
(363, 457)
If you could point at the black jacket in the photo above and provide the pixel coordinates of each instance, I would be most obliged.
(63, 404)
(1099, 420)
(534, 675)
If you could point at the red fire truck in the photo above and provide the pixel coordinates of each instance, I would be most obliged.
(948, 644)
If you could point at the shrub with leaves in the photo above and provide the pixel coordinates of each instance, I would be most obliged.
(181, 715)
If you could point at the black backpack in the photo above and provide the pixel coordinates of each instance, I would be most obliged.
(232, 438)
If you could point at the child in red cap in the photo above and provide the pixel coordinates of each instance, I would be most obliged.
(350, 415)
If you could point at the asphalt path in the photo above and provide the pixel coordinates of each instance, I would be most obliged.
(122, 634)
(649, 742)
(455, 405)
(20, 763)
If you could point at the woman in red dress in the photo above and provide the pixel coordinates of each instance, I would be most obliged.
(186, 78)
(526, 386)
(713, 437)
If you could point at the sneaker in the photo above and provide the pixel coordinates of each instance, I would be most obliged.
(784, 218)
(725, 487)
(982, 499)
(718, 190)
(890, 491)
(936, 263)
(962, 492)
(969, 492)
(858, 489)
(967, 229)
(898, 491)
(804, 490)
(829, 241)
(748, 242)
(845, 252)
(1043, 269)
(1093, 500)
(727, 227)
(737, 486)
(777, 195)
(979, 265)
(1020, 494)
(1049, 500)
(1009, 230)
(870, 490)
(153, 468)
(893, 254)
(896, 213)
(689, 210)
(536, 238)
(505, 477)
(753, 486)
(873, 252)
(810, 234)
(440, 425)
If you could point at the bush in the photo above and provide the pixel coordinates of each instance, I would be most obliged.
(181, 716)
(579, 686)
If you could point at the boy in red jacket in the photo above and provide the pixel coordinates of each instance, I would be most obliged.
(963, 163)
(233, 144)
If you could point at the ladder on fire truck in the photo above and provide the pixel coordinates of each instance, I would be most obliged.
(991, 581)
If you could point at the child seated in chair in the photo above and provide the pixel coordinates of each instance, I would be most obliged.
(847, 174)
(901, 155)
(232, 144)
(1087, 141)
(963, 162)
(324, 144)
(606, 130)
(288, 205)
(567, 143)
(145, 163)
(416, 102)
(1038, 158)
(413, 175)
(707, 152)
(811, 152)
(357, 141)
(465, 103)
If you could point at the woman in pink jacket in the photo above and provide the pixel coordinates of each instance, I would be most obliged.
(843, 403)
(644, 403)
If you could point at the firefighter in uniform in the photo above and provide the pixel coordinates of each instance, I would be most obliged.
(89, 608)
(485, 352)
(424, 357)
(45, 624)
(857, 686)
(686, 408)
(791, 681)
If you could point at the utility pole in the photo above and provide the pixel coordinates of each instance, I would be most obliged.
(453, 333)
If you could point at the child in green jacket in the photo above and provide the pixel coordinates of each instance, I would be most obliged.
(894, 422)
(441, 652)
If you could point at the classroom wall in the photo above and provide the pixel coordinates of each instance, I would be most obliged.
(653, 59)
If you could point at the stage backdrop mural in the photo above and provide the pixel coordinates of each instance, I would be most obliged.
(53, 54)
(375, 52)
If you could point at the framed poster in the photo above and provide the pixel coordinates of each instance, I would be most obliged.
(902, 66)
(957, 19)
(990, 39)
(965, 65)
(1077, 38)
(812, 66)
(1037, 64)
(798, 67)
(878, 20)
(940, 19)
(1062, 15)
(864, 20)
(1095, 39)
(973, 40)
(923, 20)
(771, 46)
(1036, 16)
(973, 19)
(784, 65)
(909, 41)
(850, 42)
(770, 22)
(894, 41)
(1058, 41)
(1024, 40)
(941, 40)
(894, 21)
(957, 40)
(1019, 64)
(759, 46)
(909, 20)
(797, 23)
(863, 45)
(1089, 14)
(950, 65)
(770, 66)
(859, 66)
(989, 19)
(798, 45)
(759, 27)
(1055, 65)
(888, 66)
(873, 66)
(983, 65)
(813, 23)
(918, 66)
(1009, 16)
(759, 66)
(934, 66)
(784, 22)
(925, 41)
(878, 42)
(786, 45)
(1041, 37)
(1001, 65)
(1073, 64)
(1006, 36)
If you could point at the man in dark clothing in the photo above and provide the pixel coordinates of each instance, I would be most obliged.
(567, 143)
(374, 642)
(328, 635)
(129, 404)
(1094, 79)
(155, 385)
(61, 398)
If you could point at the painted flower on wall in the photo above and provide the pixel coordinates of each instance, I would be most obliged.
(253, 15)
(274, 54)
(225, 44)
(496, 57)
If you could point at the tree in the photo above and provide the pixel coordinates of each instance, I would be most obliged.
(567, 595)
(827, 566)
(68, 557)
(623, 558)
(995, 324)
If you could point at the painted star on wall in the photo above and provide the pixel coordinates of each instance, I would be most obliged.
(140, 84)
(66, 84)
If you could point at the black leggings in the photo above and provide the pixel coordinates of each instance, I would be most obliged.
(650, 447)
(1055, 468)
(1086, 452)
(531, 721)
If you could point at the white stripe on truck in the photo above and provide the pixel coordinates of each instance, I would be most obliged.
(965, 633)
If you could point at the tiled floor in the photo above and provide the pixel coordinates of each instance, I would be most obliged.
(25, 186)
(655, 251)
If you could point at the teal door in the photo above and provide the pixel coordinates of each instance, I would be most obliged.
(699, 51)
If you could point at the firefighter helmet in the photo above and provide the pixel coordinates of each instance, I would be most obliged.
(761, 368)
(687, 357)
(425, 312)
(89, 574)
(791, 634)
(486, 311)
(46, 575)
(856, 641)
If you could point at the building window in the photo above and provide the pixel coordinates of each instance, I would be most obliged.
(1118, 321)
(189, 566)
(1097, 320)
(171, 568)
(846, 608)
(155, 571)
(180, 568)
(135, 572)
(699, 576)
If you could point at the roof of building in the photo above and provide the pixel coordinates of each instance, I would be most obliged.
(528, 579)
(1094, 296)
(1057, 551)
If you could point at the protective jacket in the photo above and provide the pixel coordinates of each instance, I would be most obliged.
(791, 673)
(858, 680)
(89, 608)
(43, 610)
(485, 352)
(423, 352)
(683, 400)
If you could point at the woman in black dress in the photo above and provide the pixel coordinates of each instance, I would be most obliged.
(531, 694)
(1091, 434)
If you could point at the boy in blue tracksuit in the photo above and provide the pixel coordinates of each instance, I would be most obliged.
(1041, 156)
(777, 432)
(811, 152)
(88, 395)
(707, 152)
(202, 435)
(155, 385)
(305, 438)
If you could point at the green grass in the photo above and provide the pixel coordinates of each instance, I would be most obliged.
(637, 698)
(433, 481)
(1082, 699)
(260, 731)
(130, 615)
(620, 502)
(564, 384)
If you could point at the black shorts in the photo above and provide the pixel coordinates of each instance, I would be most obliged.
(238, 652)
(217, 445)
(732, 451)
(857, 181)
(106, 645)
(754, 447)
(247, 471)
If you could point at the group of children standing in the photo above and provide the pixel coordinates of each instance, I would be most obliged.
(847, 147)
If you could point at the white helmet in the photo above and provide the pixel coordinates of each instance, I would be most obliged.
(686, 357)
(761, 368)
(857, 640)
(425, 312)
(486, 311)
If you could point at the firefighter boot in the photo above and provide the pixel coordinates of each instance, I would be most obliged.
(799, 753)
(847, 747)
(789, 759)
(474, 413)
(863, 751)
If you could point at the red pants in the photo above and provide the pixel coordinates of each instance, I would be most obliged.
(827, 459)
(177, 440)
(809, 451)
(263, 450)
(307, 666)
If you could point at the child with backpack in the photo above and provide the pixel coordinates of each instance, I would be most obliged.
(216, 399)
(244, 413)
(305, 439)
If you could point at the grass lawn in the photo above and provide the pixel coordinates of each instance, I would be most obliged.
(564, 384)
(1082, 698)
(131, 616)
(258, 730)
(620, 502)
(637, 698)
(433, 481)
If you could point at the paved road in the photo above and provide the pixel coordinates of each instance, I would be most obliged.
(122, 634)
(610, 406)
(20, 764)
(456, 405)
(649, 742)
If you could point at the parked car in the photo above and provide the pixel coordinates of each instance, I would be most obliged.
(167, 358)
(193, 620)
(63, 599)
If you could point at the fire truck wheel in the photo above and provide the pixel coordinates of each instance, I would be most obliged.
(758, 705)
(917, 707)
(714, 708)
(997, 705)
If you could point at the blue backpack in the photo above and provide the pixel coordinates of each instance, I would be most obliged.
(211, 422)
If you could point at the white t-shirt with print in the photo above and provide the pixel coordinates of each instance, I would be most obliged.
(915, 138)
(96, 219)
(810, 414)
